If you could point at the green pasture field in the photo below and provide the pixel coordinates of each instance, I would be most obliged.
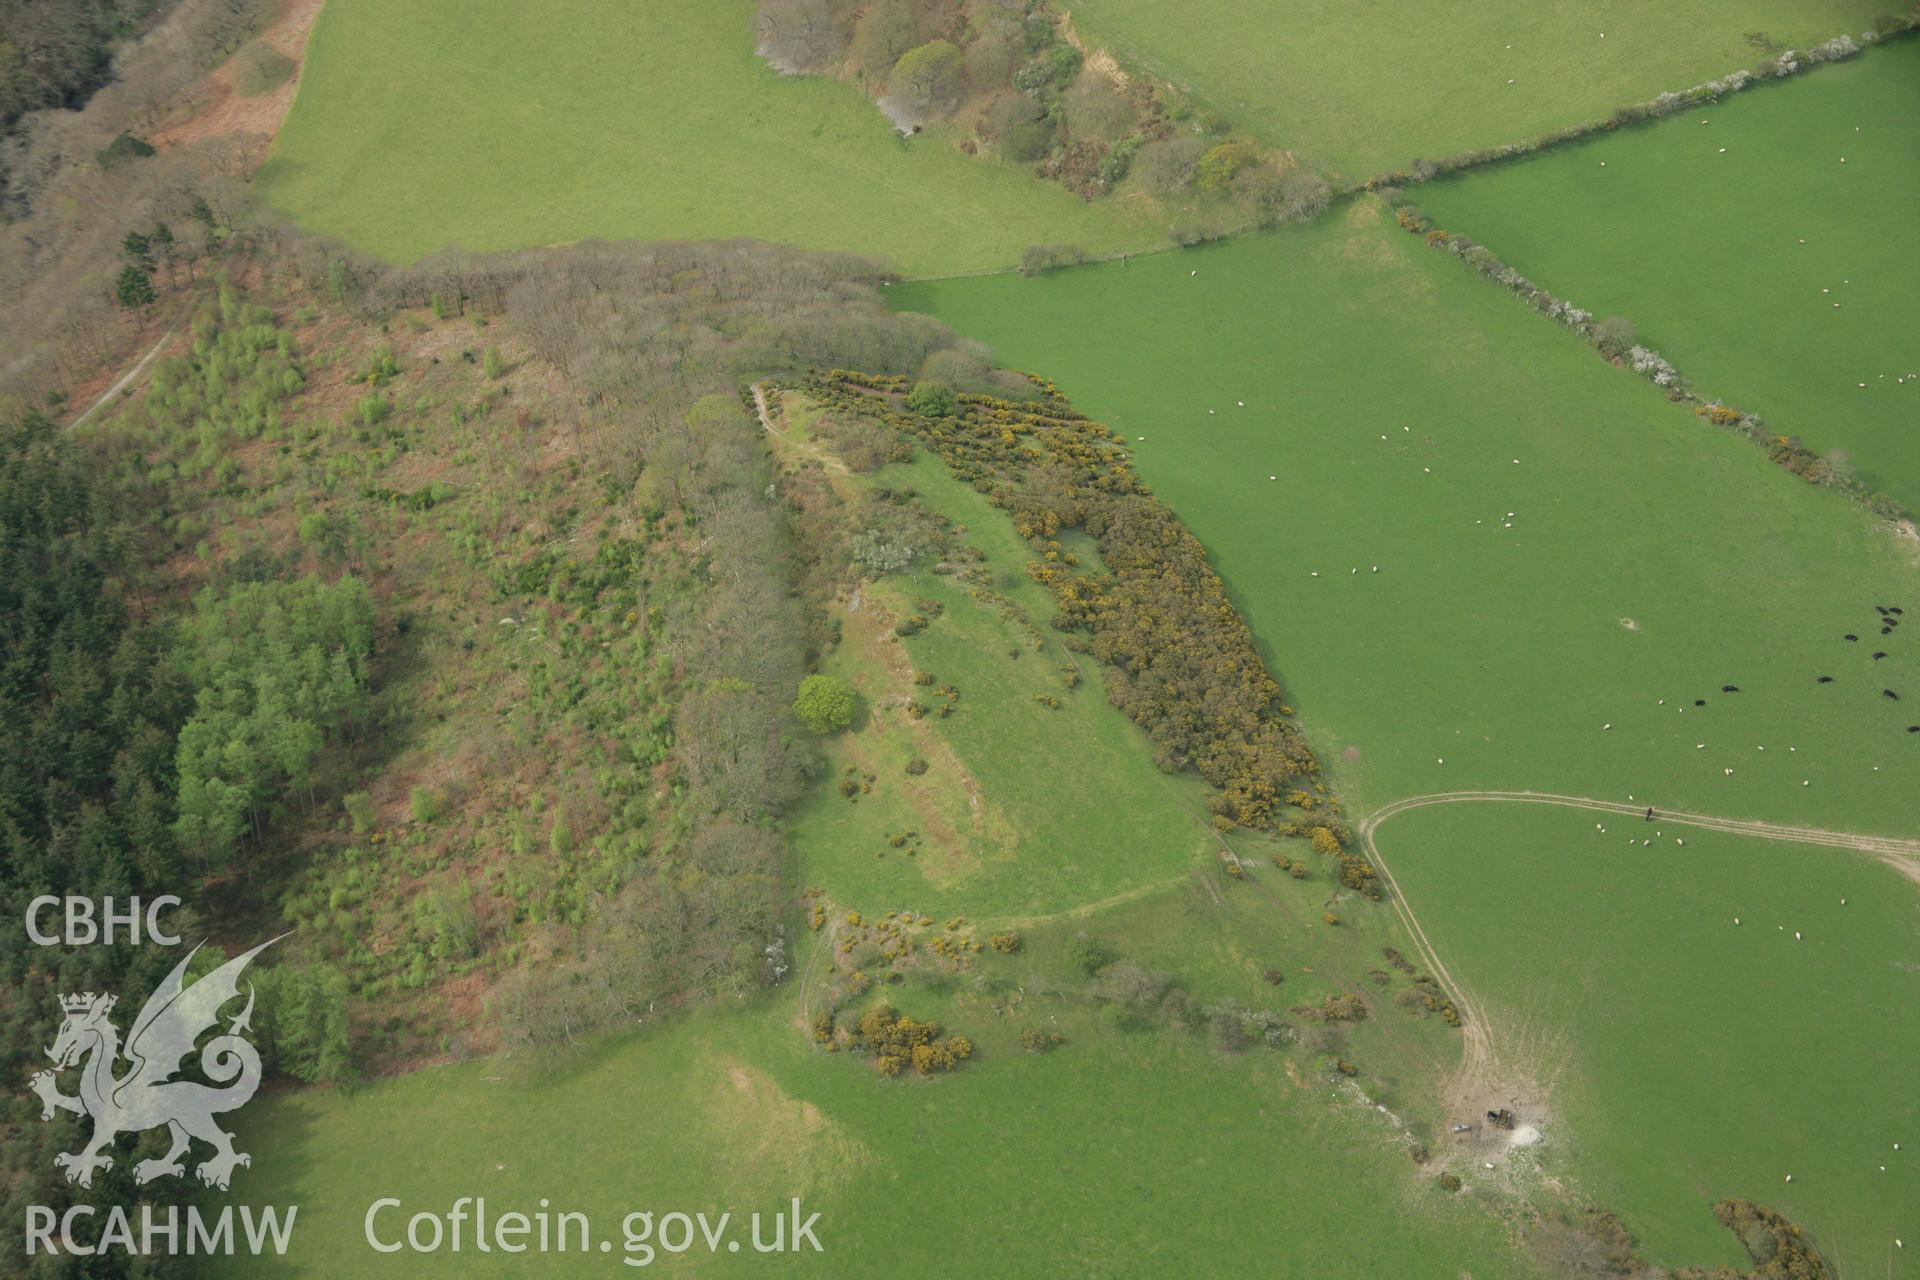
(504, 126)
(1362, 90)
(1763, 245)
(1142, 1151)
(1565, 562)
(1558, 549)
(1691, 1058)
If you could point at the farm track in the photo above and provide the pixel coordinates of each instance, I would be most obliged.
(1480, 1057)
(126, 379)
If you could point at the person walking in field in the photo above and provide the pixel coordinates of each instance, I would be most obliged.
(1649, 817)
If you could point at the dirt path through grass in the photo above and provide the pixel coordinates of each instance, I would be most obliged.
(1480, 1060)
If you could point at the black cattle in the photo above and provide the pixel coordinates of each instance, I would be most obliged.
(1890, 695)
(1699, 702)
(1729, 688)
(1850, 636)
(1826, 680)
(1879, 655)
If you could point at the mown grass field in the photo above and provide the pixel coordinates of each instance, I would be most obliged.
(1533, 621)
(1146, 1152)
(504, 126)
(1784, 278)
(1365, 91)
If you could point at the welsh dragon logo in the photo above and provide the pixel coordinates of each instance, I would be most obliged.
(146, 1096)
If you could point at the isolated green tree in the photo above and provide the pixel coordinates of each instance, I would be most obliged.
(934, 399)
(825, 704)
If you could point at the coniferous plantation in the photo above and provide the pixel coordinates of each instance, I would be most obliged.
(1017, 635)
